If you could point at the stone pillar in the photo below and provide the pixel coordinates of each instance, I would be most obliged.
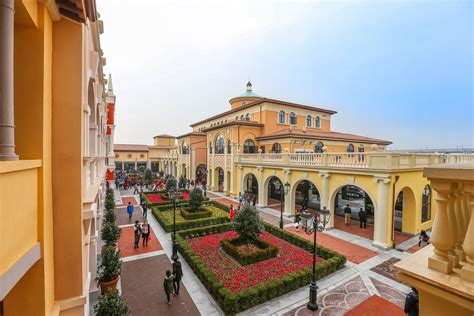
(325, 197)
(467, 271)
(226, 186)
(289, 198)
(232, 192)
(241, 180)
(136, 165)
(382, 214)
(148, 164)
(7, 122)
(442, 237)
(261, 188)
(213, 180)
(461, 226)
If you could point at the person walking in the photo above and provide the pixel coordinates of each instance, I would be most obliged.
(347, 215)
(297, 219)
(240, 198)
(424, 239)
(130, 209)
(136, 231)
(178, 275)
(231, 212)
(168, 285)
(412, 303)
(363, 218)
(135, 189)
(144, 209)
(145, 229)
(254, 200)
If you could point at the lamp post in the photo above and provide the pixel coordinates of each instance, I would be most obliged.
(174, 194)
(284, 189)
(313, 224)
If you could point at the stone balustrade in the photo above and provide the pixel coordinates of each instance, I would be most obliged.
(378, 160)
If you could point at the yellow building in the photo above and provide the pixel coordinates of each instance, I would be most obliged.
(443, 272)
(160, 157)
(56, 146)
(261, 141)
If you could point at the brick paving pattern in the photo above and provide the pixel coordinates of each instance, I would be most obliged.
(142, 289)
(353, 253)
(122, 215)
(127, 239)
(376, 305)
(387, 270)
(389, 293)
(127, 199)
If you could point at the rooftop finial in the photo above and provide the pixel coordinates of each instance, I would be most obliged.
(110, 88)
(249, 86)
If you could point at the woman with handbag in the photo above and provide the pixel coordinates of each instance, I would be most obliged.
(145, 233)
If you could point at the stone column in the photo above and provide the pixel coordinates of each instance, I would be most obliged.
(7, 122)
(241, 180)
(226, 186)
(233, 194)
(136, 165)
(213, 182)
(289, 198)
(325, 197)
(261, 189)
(467, 271)
(381, 214)
(148, 164)
(441, 237)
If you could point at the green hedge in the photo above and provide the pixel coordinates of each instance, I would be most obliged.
(162, 218)
(265, 251)
(181, 202)
(232, 303)
(201, 213)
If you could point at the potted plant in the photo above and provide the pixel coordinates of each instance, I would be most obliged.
(110, 233)
(111, 304)
(109, 269)
(109, 203)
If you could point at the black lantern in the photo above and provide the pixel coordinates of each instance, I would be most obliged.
(174, 196)
(313, 224)
(283, 189)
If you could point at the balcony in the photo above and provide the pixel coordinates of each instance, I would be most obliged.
(164, 156)
(443, 272)
(19, 247)
(372, 161)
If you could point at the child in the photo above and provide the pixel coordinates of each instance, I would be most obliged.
(231, 213)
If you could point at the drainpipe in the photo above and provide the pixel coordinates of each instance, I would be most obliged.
(393, 210)
(7, 126)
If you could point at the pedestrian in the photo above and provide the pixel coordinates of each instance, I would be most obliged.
(130, 209)
(178, 275)
(168, 285)
(136, 231)
(135, 189)
(424, 239)
(145, 233)
(363, 218)
(412, 303)
(240, 198)
(231, 212)
(347, 215)
(297, 219)
(254, 200)
(238, 209)
(144, 209)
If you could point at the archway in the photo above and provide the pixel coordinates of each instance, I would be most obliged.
(183, 170)
(227, 182)
(273, 196)
(404, 215)
(250, 186)
(357, 198)
(306, 195)
(201, 171)
(219, 179)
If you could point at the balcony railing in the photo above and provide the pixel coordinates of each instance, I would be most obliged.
(384, 161)
(164, 156)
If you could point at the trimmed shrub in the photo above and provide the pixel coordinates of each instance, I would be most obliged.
(191, 214)
(248, 224)
(196, 199)
(110, 233)
(111, 304)
(110, 265)
(265, 250)
(171, 183)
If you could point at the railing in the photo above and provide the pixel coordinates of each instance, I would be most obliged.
(164, 156)
(378, 160)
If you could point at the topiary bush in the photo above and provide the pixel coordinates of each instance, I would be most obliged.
(110, 233)
(248, 224)
(148, 176)
(110, 216)
(110, 266)
(109, 203)
(111, 304)
(195, 199)
(171, 183)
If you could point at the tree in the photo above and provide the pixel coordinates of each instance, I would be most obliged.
(111, 304)
(171, 184)
(110, 233)
(148, 175)
(195, 199)
(110, 266)
(248, 224)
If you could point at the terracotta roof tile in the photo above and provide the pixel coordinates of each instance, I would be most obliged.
(130, 147)
(241, 123)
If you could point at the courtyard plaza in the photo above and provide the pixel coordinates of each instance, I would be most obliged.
(369, 271)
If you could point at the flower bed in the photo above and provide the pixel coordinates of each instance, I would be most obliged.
(236, 287)
(160, 198)
(203, 212)
(164, 216)
(247, 254)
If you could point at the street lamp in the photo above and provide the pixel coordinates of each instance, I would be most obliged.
(284, 189)
(174, 195)
(313, 224)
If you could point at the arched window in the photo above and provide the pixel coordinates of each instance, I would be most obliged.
(229, 147)
(350, 148)
(249, 147)
(281, 117)
(276, 148)
(184, 149)
(210, 147)
(426, 204)
(308, 120)
(237, 118)
(317, 122)
(219, 148)
(319, 147)
(292, 118)
(242, 117)
(247, 117)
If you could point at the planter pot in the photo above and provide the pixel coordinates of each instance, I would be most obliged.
(107, 287)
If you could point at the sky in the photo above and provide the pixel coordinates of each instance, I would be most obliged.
(395, 70)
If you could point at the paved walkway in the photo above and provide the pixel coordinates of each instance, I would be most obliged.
(369, 271)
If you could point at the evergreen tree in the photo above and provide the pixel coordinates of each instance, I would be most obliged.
(195, 199)
(248, 224)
